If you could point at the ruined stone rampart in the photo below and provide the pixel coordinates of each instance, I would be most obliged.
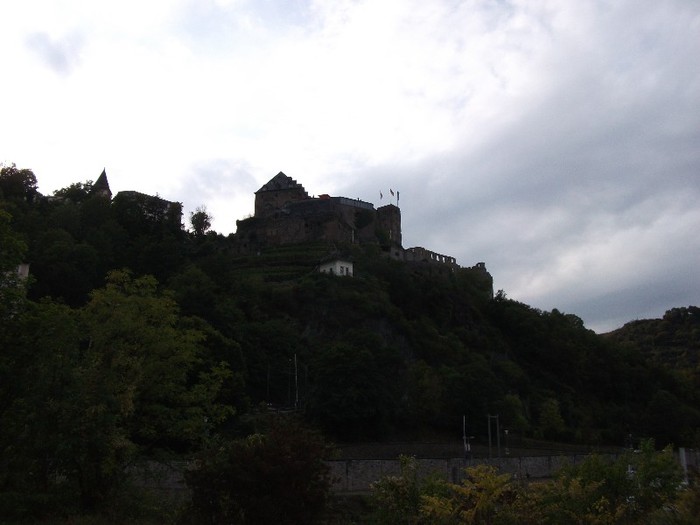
(421, 255)
(353, 203)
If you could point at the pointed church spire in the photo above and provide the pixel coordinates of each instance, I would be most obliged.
(101, 185)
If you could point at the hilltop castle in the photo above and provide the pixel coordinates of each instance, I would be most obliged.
(286, 214)
(152, 207)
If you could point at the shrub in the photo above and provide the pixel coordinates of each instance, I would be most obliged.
(272, 478)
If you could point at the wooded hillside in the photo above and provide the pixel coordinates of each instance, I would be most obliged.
(138, 337)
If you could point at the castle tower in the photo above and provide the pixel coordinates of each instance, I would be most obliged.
(279, 191)
(389, 220)
(101, 186)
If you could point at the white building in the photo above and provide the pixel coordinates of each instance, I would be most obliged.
(337, 267)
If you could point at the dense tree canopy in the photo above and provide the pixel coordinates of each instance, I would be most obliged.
(84, 391)
(17, 184)
(12, 253)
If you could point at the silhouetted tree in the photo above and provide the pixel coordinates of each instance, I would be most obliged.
(268, 478)
(200, 221)
(17, 184)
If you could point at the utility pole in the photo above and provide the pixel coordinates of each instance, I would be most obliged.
(466, 439)
(296, 383)
(289, 384)
(498, 434)
(464, 434)
(488, 422)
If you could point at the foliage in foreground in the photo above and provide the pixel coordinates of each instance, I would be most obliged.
(642, 487)
(85, 392)
(271, 478)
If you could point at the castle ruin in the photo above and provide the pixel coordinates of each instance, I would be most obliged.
(286, 214)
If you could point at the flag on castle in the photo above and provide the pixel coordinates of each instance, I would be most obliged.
(393, 194)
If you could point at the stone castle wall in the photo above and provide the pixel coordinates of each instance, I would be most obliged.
(333, 219)
(285, 214)
(420, 254)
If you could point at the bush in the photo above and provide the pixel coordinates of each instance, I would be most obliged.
(273, 478)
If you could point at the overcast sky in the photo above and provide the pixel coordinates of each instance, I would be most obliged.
(557, 141)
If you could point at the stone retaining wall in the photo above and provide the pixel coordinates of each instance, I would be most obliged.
(357, 475)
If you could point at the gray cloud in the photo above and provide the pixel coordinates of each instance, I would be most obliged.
(61, 55)
(218, 28)
(587, 201)
(557, 142)
(224, 186)
(218, 177)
